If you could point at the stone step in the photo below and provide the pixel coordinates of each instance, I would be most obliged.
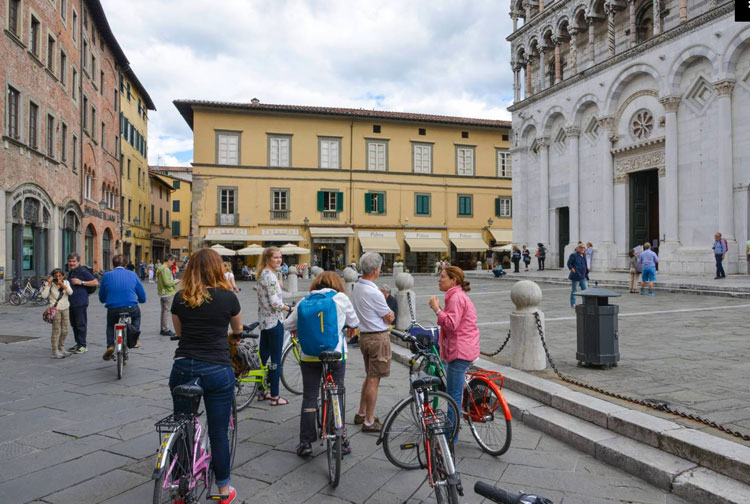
(694, 465)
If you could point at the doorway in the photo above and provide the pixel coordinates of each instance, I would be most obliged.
(563, 234)
(644, 208)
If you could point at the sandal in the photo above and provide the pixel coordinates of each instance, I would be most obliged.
(277, 401)
(263, 395)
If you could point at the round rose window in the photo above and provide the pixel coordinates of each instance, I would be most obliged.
(642, 124)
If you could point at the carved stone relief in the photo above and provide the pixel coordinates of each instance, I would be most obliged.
(638, 161)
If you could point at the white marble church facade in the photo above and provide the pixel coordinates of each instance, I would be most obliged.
(627, 129)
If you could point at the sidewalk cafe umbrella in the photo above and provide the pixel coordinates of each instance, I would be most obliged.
(251, 250)
(223, 251)
(292, 249)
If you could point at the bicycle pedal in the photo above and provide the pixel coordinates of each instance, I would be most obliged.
(218, 497)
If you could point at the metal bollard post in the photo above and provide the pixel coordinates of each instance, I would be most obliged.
(527, 352)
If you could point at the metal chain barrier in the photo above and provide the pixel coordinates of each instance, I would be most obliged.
(411, 307)
(499, 349)
(649, 404)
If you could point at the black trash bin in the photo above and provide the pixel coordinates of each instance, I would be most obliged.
(596, 320)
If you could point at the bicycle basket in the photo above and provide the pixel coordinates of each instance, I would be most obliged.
(425, 335)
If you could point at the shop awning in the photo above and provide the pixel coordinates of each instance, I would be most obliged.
(469, 244)
(384, 245)
(331, 232)
(426, 245)
(502, 236)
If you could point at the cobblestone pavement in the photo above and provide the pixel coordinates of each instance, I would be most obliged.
(70, 432)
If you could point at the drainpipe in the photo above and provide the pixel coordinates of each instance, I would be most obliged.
(351, 174)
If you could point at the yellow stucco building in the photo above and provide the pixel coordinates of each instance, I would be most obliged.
(343, 181)
(134, 104)
(180, 178)
(161, 190)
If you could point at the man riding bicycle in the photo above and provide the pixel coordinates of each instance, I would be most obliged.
(120, 291)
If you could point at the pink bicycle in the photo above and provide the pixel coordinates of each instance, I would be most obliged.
(183, 471)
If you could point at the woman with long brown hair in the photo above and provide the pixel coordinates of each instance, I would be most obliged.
(328, 284)
(271, 310)
(459, 334)
(201, 313)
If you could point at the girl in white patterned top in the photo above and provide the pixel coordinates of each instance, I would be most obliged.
(271, 310)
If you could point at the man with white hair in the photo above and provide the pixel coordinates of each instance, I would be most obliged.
(374, 342)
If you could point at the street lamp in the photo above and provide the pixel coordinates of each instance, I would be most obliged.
(489, 222)
(103, 204)
(306, 223)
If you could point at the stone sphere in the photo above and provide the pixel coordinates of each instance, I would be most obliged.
(316, 270)
(350, 276)
(292, 270)
(526, 295)
(404, 281)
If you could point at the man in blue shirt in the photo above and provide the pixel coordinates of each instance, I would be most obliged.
(79, 277)
(648, 260)
(121, 291)
(578, 272)
(720, 248)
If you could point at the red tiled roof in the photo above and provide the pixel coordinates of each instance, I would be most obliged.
(186, 109)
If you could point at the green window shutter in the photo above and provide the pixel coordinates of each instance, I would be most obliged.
(321, 200)
(381, 203)
(468, 205)
(175, 228)
(497, 207)
(368, 203)
(176, 205)
(426, 204)
(339, 202)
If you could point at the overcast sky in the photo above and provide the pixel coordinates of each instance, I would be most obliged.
(437, 56)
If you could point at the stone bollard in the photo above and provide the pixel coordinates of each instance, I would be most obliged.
(398, 268)
(350, 276)
(306, 273)
(405, 296)
(479, 266)
(527, 352)
(291, 281)
(315, 271)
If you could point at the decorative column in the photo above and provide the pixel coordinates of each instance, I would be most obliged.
(558, 67)
(591, 41)
(527, 7)
(542, 65)
(520, 211)
(657, 17)
(514, 17)
(631, 6)
(573, 133)
(608, 174)
(683, 11)
(609, 10)
(725, 168)
(541, 6)
(527, 87)
(671, 169)
(573, 51)
(516, 82)
(543, 144)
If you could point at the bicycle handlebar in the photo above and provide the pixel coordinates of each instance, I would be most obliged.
(403, 336)
(500, 496)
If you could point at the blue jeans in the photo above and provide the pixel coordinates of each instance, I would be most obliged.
(217, 381)
(455, 373)
(719, 266)
(78, 321)
(574, 284)
(271, 344)
(113, 317)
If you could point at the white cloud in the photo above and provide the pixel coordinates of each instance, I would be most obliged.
(438, 57)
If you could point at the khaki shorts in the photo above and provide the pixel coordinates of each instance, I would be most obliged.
(376, 353)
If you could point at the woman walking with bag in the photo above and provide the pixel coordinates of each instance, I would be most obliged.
(271, 310)
(57, 290)
(327, 284)
(526, 257)
(201, 313)
(459, 334)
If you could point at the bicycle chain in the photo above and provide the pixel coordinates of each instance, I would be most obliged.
(659, 406)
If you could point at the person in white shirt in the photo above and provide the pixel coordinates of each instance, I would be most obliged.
(374, 342)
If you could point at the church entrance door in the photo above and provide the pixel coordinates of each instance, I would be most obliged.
(563, 234)
(644, 208)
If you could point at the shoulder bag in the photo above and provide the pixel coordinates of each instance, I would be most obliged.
(49, 314)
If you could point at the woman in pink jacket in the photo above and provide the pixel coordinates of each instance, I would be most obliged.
(459, 334)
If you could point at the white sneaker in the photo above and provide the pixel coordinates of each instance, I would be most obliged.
(57, 355)
(64, 352)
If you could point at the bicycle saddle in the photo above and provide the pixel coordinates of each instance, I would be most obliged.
(329, 356)
(424, 380)
(190, 389)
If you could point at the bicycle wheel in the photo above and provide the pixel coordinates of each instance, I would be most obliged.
(167, 485)
(15, 299)
(402, 434)
(244, 392)
(39, 300)
(483, 409)
(445, 483)
(291, 374)
(333, 444)
(233, 433)
(120, 356)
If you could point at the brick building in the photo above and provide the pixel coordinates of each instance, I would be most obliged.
(59, 160)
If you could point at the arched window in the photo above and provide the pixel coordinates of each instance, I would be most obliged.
(644, 23)
(71, 228)
(106, 250)
(89, 246)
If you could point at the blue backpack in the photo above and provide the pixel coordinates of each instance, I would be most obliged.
(317, 323)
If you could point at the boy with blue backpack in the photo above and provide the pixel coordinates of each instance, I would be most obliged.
(319, 323)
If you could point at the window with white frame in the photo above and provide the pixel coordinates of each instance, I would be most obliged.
(227, 148)
(422, 158)
(280, 200)
(330, 152)
(504, 168)
(227, 201)
(377, 156)
(279, 151)
(465, 160)
(503, 207)
(87, 185)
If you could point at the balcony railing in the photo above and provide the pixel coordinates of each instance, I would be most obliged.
(329, 215)
(280, 214)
